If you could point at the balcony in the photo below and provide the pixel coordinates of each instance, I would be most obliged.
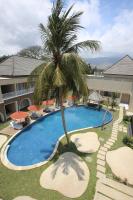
(17, 93)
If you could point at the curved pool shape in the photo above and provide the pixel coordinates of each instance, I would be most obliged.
(36, 143)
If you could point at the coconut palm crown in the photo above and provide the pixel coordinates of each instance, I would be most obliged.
(65, 70)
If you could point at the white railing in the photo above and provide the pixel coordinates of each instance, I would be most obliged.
(17, 93)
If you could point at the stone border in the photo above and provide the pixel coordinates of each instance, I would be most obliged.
(8, 164)
(107, 188)
(101, 156)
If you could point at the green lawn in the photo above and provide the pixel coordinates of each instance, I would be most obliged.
(16, 183)
(116, 145)
(4, 124)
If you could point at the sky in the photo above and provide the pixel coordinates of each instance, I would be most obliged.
(109, 21)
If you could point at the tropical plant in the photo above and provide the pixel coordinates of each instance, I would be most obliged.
(128, 141)
(65, 72)
(113, 100)
(127, 118)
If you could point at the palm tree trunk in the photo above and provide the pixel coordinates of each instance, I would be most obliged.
(62, 115)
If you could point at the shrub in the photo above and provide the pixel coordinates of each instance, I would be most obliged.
(105, 102)
(128, 141)
(126, 118)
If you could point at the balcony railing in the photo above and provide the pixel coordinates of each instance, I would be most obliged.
(17, 93)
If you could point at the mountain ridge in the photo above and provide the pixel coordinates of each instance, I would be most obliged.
(102, 62)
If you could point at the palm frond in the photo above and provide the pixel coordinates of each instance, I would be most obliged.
(92, 45)
(65, 15)
(74, 69)
(57, 7)
(58, 78)
(43, 84)
(35, 73)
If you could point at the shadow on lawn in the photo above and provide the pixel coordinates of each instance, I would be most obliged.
(67, 163)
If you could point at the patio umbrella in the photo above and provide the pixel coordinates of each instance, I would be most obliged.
(48, 102)
(19, 116)
(34, 108)
(72, 97)
(95, 96)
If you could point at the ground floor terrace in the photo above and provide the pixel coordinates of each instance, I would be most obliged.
(109, 85)
(83, 170)
(14, 104)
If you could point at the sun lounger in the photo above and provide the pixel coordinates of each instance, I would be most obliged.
(70, 103)
(16, 125)
(47, 110)
(35, 115)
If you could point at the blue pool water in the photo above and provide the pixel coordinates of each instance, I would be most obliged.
(36, 143)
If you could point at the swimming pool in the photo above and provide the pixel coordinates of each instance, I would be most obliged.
(36, 143)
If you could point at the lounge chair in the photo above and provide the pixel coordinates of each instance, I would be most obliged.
(70, 103)
(48, 110)
(16, 125)
(57, 107)
(35, 115)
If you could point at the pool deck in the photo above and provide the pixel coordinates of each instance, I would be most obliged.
(106, 188)
(69, 175)
(9, 131)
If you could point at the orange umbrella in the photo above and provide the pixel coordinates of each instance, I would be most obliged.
(48, 102)
(72, 97)
(19, 115)
(34, 108)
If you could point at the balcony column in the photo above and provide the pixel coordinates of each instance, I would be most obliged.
(16, 105)
(15, 88)
(131, 100)
(1, 96)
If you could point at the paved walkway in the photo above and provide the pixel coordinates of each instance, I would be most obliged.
(8, 131)
(108, 189)
(3, 139)
(92, 144)
(24, 198)
(69, 175)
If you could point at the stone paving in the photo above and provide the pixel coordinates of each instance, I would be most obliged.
(120, 162)
(92, 144)
(24, 198)
(69, 175)
(107, 189)
(8, 131)
(122, 128)
(3, 139)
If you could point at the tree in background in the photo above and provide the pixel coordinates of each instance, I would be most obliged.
(32, 52)
(2, 58)
(36, 52)
(65, 71)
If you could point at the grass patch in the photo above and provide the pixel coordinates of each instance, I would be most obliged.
(119, 143)
(4, 124)
(17, 183)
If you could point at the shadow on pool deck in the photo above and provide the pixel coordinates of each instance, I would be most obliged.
(66, 162)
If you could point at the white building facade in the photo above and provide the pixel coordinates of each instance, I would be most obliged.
(118, 78)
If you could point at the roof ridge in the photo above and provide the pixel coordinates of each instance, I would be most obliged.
(12, 56)
(118, 62)
(18, 65)
(27, 57)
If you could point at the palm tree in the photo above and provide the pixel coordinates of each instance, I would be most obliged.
(65, 71)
